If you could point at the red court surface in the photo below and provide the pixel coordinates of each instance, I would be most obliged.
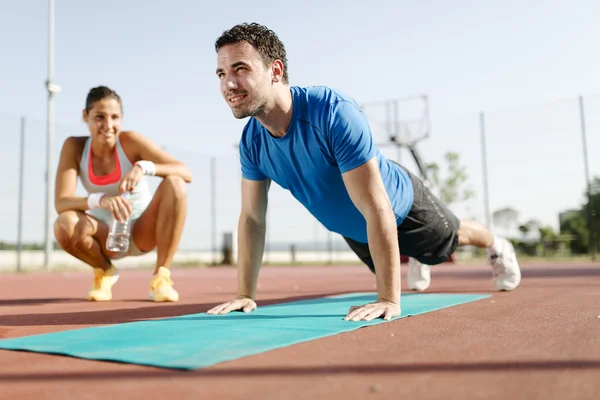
(541, 341)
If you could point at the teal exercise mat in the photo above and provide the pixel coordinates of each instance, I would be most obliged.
(199, 340)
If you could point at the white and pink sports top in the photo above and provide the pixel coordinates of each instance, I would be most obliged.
(109, 184)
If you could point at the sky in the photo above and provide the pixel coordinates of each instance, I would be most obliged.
(523, 64)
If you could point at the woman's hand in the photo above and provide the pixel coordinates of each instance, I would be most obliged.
(119, 206)
(131, 179)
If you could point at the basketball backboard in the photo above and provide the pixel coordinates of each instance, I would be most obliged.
(399, 122)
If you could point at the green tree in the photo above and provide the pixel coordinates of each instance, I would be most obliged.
(452, 187)
(532, 225)
(577, 224)
(547, 233)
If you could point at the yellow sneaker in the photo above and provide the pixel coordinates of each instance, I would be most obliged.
(161, 287)
(103, 283)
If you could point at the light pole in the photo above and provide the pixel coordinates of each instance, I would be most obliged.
(52, 89)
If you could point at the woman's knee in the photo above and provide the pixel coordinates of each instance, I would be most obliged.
(176, 186)
(67, 229)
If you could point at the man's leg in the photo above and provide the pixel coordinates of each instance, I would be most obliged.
(472, 233)
(161, 226)
(82, 236)
(431, 233)
(501, 253)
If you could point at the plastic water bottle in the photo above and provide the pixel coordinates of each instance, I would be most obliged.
(118, 235)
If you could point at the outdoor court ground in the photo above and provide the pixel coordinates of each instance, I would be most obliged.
(541, 341)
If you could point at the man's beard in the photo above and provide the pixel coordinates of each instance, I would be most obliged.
(250, 110)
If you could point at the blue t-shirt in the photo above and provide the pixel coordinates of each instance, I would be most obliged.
(328, 136)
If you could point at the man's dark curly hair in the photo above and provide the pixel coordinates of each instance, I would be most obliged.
(264, 40)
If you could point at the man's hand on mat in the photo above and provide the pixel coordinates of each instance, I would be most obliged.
(244, 304)
(380, 309)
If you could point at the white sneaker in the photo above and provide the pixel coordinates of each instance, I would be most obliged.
(418, 276)
(505, 267)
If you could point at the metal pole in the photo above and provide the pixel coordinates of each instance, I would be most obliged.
(316, 236)
(388, 127)
(213, 207)
(52, 89)
(486, 196)
(267, 251)
(592, 233)
(330, 246)
(396, 127)
(20, 205)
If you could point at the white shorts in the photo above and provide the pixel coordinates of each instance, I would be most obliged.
(105, 216)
